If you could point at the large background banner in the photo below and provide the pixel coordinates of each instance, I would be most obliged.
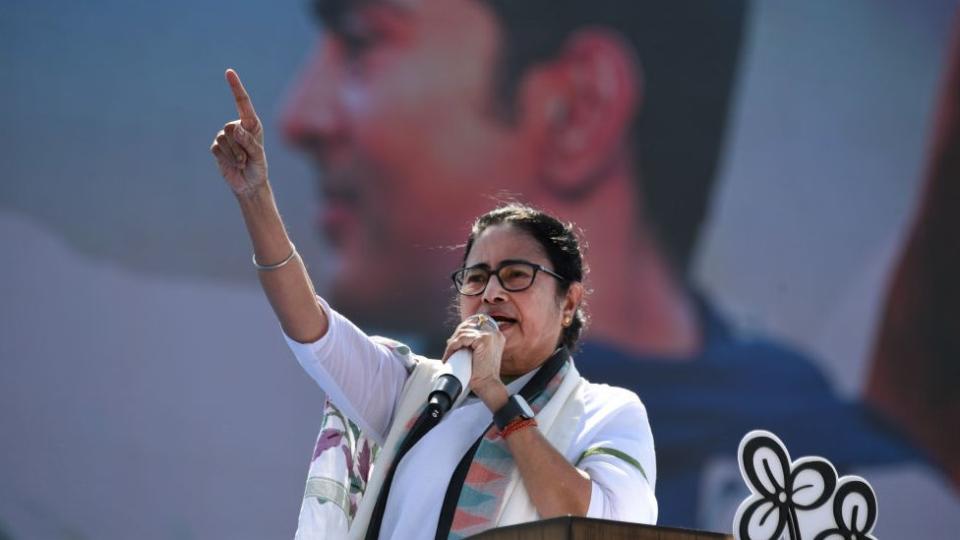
(145, 388)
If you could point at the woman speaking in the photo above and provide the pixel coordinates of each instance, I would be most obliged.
(531, 439)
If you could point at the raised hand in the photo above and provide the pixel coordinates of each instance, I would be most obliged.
(238, 147)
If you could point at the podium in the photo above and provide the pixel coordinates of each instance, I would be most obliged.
(578, 528)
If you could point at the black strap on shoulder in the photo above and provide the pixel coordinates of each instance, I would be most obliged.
(534, 387)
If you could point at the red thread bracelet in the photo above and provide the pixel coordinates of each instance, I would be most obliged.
(517, 425)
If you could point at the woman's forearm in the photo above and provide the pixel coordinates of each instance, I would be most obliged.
(288, 288)
(556, 487)
(238, 149)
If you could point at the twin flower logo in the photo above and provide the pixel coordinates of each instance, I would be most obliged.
(800, 499)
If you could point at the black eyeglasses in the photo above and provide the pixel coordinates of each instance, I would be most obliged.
(514, 276)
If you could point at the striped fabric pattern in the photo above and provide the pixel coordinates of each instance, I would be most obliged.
(483, 491)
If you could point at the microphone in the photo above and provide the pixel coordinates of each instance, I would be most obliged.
(448, 389)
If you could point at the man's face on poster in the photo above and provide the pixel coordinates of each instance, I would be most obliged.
(395, 107)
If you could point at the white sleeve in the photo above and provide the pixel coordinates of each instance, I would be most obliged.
(621, 462)
(361, 377)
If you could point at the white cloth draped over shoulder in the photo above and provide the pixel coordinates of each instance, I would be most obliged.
(376, 383)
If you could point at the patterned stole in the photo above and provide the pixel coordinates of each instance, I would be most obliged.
(338, 479)
(482, 496)
(487, 478)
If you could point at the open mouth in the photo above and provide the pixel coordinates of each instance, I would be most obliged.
(504, 322)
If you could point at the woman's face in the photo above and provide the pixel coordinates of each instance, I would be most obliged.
(530, 320)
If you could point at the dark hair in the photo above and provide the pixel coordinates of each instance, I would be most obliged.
(558, 240)
(688, 51)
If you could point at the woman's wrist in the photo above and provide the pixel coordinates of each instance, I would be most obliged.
(255, 196)
(265, 227)
(493, 394)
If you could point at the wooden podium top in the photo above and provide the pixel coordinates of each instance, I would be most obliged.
(578, 528)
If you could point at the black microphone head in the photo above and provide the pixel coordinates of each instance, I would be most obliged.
(445, 391)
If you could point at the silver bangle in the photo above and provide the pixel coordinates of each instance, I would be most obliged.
(281, 264)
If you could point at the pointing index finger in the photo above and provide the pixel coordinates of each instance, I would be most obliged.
(248, 116)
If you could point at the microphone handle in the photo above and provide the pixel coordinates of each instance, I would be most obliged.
(448, 390)
(461, 367)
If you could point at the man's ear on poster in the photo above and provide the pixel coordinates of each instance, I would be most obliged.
(582, 104)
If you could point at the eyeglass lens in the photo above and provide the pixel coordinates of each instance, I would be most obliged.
(513, 277)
